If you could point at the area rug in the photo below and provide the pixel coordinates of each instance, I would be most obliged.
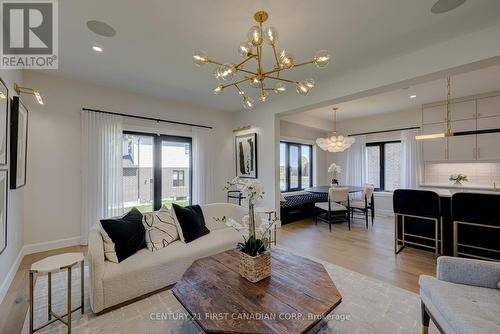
(368, 306)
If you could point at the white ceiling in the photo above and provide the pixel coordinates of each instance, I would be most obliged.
(462, 85)
(151, 52)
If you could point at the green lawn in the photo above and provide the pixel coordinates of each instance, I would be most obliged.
(149, 207)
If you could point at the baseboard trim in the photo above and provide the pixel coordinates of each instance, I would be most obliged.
(30, 249)
(10, 275)
(50, 245)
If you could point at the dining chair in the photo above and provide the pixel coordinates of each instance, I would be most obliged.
(337, 207)
(417, 207)
(364, 204)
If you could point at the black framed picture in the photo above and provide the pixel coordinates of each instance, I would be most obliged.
(4, 190)
(246, 156)
(4, 116)
(18, 143)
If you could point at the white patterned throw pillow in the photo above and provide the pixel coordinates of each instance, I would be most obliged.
(160, 228)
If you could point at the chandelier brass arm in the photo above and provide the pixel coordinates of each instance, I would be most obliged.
(252, 49)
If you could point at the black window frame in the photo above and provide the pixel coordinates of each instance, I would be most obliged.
(381, 145)
(287, 165)
(157, 168)
(180, 177)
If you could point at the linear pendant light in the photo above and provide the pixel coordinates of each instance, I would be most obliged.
(448, 118)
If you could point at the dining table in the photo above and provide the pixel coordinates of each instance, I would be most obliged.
(325, 189)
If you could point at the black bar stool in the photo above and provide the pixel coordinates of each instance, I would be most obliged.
(476, 225)
(417, 204)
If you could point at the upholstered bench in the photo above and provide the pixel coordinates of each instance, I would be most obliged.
(298, 205)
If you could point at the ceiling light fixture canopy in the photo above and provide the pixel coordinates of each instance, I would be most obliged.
(258, 78)
(335, 143)
(448, 132)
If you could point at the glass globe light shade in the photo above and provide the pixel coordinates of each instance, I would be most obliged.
(340, 138)
(263, 96)
(322, 58)
(285, 59)
(304, 87)
(309, 82)
(219, 89)
(255, 82)
(218, 71)
(247, 102)
(245, 49)
(200, 58)
(228, 71)
(280, 88)
(271, 35)
(255, 35)
(333, 138)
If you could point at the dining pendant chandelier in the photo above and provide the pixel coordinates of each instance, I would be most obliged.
(335, 143)
(448, 132)
(265, 81)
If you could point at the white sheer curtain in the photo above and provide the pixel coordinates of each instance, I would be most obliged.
(356, 163)
(410, 159)
(203, 172)
(102, 171)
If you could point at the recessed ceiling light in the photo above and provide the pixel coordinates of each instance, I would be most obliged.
(101, 28)
(413, 96)
(443, 6)
(97, 48)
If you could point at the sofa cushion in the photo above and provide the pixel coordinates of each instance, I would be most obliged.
(468, 309)
(161, 229)
(108, 245)
(149, 271)
(191, 222)
(126, 232)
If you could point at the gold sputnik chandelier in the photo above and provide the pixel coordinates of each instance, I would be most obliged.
(258, 78)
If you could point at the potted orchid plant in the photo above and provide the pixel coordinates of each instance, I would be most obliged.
(255, 260)
(335, 170)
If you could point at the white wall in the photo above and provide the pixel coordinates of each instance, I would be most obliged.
(53, 190)
(10, 258)
(322, 159)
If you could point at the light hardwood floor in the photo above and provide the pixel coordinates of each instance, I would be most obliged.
(369, 252)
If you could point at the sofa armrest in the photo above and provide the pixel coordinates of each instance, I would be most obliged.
(96, 266)
(479, 273)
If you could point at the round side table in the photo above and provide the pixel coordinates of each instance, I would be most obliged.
(53, 264)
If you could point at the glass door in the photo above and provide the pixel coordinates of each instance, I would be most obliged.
(294, 163)
(176, 171)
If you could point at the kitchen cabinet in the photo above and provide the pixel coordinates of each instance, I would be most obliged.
(434, 149)
(488, 106)
(462, 148)
(488, 146)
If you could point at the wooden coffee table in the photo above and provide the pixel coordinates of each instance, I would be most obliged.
(295, 299)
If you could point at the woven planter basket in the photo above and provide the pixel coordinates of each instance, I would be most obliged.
(255, 268)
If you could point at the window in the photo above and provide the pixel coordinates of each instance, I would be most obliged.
(156, 171)
(178, 178)
(383, 165)
(295, 166)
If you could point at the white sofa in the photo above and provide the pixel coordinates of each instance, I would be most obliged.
(145, 271)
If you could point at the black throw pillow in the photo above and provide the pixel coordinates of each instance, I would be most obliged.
(191, 221)
(127, 233)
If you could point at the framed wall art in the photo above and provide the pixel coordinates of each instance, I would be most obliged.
(18, 143)
(246, 156)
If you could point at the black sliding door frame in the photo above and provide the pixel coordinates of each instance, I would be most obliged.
(299, 164)
(157, 159)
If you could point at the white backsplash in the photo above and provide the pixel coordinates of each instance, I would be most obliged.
(480, 174)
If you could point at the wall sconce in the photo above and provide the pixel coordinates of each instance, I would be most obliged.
(25, 90)
(242, 128)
